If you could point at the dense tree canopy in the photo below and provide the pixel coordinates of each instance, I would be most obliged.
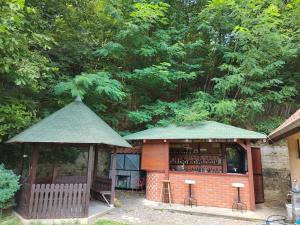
(140, 63)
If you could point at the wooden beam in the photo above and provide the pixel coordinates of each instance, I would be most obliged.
(113, 177)
(95, 171)
(168, 161)
(89, 179)
(55, 162)
(247, 147)
(34, 164)
(224, 158)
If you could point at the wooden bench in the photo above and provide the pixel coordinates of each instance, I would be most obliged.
(101, 189)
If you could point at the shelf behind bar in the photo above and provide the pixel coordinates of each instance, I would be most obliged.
(194, 164)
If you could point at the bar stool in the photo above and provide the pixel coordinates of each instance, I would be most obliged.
(237, 203)
(190, 199)
(166, 191)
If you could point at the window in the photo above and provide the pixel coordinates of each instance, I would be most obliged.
(127, 162)
(120, 162)
(236, 159)
(132, 162)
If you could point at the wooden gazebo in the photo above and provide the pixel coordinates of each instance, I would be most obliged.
(66, 196)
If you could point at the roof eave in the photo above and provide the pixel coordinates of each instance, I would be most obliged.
(125, 145)
(285, 131)
(188, 138)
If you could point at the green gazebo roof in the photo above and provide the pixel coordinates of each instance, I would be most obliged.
(75, 123)
(201, 130)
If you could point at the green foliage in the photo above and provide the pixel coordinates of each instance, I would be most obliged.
(24, 70)
(162, 113)
(9, 184)
(150, 12)
(145, 63)
(267, 126)
(225, 110)
(261, 45)
(101, 82)
(14, 117)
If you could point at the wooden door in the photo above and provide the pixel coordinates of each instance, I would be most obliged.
(257, 175)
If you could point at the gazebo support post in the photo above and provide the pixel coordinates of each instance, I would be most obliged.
(55, 162)
(95, 171)
(34, 162)
(22, 160)
(113, 177)
(89, 179)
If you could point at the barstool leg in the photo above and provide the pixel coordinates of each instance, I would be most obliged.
(169, 191)
(161, 193)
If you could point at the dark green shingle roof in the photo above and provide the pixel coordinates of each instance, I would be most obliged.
(202, 130)
(75, 123)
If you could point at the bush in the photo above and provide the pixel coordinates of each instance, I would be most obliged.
(9, 184)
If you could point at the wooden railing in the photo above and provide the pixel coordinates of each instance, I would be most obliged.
(99, 185)
(57, 201)
(70, 180)
(102, 184)
(62, 179)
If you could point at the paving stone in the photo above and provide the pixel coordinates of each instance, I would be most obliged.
(134, 211)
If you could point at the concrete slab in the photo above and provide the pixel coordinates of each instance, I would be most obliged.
(261, 214)
(96, 210)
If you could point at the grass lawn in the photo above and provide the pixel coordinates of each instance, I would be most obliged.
(12, 220)
(108, 222)
(9, 220)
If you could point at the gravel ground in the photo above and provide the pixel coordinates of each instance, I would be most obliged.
(135, 210)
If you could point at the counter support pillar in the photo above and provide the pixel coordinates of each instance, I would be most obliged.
(247, 147)
(167, 161)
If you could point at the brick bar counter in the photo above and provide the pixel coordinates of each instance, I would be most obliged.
(204, 164)
(210, 189)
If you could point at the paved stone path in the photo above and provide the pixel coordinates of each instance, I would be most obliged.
(134, 210)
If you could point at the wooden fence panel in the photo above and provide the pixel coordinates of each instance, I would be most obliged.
(40, 201)
(45, 201)
(51, 202)
(83, 203)
(57, 201)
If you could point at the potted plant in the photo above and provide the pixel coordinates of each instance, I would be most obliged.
(9, 185)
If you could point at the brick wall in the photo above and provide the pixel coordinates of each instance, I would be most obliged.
(154, 185)
(209, 190)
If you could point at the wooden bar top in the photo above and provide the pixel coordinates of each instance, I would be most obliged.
(208, 174)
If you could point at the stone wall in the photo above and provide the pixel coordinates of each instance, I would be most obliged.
(276, 172)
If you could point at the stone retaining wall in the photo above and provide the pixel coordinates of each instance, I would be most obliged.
(276, 173)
